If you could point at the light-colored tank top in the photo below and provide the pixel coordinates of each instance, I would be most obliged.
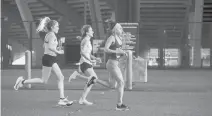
(86, 48)
(46, 44)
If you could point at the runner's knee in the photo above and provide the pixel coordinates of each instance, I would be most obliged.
(44, 81)
(92, 81)
(61, 78)
(120, 82)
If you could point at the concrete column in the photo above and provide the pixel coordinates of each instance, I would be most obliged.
(10, 14)
(113, 16)
(27, 18)
(6, 20)
(127, 10)
(0, 43)
(184, 48)
(161, 42)
(122, 10)
(135, 10)
(210, 35)
(141, 47)
(196, 33)
(4, 42)
(96, 17)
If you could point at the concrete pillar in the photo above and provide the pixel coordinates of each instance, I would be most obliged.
(122, 10)
(113, 16)
(0, 44)
(184, 47)
(4, 42)
(10, 15)
(196, 33)
(5, 25)
(135, 10)
(96, 17)
(210, 36)
(27, 18)
(162, 46)
(127, 10)
(142, 46)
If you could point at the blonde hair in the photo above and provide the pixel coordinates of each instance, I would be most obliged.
(114, 29)
(45, 24)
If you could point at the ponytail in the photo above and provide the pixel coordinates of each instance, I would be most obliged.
(79, 38)
(43, 23)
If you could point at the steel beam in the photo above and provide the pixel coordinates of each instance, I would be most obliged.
(30, 27)
(111, 3)
(61, 7)
(97, 23)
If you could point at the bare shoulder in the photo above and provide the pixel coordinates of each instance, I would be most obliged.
(111, 39)
(85, 41)
(50, 35)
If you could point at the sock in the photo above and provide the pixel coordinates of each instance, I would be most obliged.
(23, 82)
(119, 104)
(62, 98)
(91, 81)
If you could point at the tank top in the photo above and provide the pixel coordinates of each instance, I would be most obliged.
(114, 46)
(86, 48)
(47, 45)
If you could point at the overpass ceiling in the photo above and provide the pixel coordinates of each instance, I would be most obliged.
(79, 6)
(39, 10)
(163, 21)
(207, 11)
(152, 12)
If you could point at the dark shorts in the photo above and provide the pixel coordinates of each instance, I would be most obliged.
(84, 66)
(48, 60)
